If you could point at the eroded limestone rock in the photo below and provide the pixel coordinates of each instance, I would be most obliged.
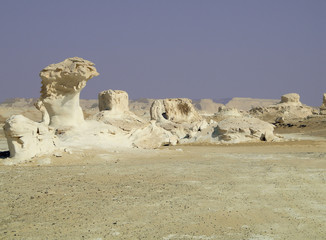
(180, 110)
(61, 86)
(114, 110)
(244, 129)
(27, 139)
(113, 100)
(152, 136)
(178, 116)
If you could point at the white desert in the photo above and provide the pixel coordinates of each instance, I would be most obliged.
(116, 168)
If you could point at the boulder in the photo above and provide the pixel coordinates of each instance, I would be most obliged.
(61, 86)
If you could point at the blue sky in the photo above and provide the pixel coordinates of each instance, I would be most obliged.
(171, 48)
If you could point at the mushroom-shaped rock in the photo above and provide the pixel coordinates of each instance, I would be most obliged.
(113, 100)
(61, 86)
(27, 138)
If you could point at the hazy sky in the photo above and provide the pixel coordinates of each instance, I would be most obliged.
(169, 48)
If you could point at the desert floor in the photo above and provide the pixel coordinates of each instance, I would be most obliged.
(260, 191)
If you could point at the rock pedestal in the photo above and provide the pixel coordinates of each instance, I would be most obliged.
(61, 86)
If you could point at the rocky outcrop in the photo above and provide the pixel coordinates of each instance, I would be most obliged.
(246, 104)
(61, 86)
(27, 139)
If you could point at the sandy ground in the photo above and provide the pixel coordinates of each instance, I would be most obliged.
(262, 191)
(259, 191)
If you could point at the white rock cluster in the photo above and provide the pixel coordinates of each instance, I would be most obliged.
(63, 126)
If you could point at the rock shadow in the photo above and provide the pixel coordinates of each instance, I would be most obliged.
(4, 154)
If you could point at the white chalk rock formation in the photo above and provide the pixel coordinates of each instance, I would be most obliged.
(152, 136)
(61, 86)
(115, 101)
(114, 108)
(234, 129)
(27, 139)
(244, 129)
(157, 111)
(323, 106)
(178, 116)
(177, 110)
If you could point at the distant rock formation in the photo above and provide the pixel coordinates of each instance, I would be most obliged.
(207, 106)
(248, 103)
(61, 86)
(323, 106)
(291, 99)
(288, 108)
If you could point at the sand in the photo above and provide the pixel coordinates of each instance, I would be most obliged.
(259, 191)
